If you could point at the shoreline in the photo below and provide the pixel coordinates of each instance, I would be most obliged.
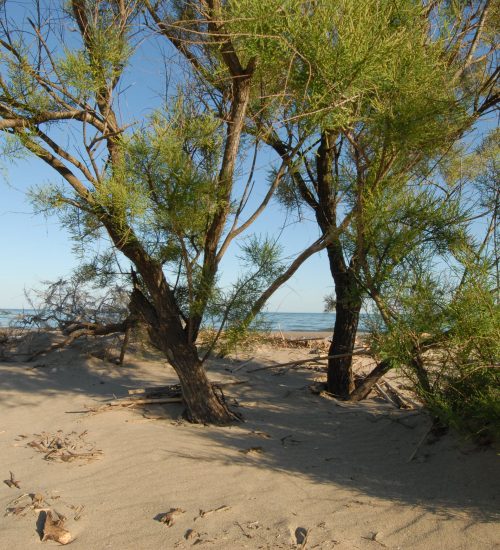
(274, 322)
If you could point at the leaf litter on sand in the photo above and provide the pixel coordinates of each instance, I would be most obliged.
(50, 523)
(61, 447)
(169, 517)
(53, 529)
(25, 503)
(37, 502)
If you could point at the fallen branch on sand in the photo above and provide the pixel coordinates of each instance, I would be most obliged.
(244, 364)
(420, 443)
(363, 390)
(404, 401)
(12, 482)
(205, 513)
(159, 395)
(84, 329)
(310, 360)
(25, 503)
(385, 396)
(160, 391)
(131, 403)
(315, 339)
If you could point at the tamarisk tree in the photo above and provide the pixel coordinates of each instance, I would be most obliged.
(163, 191)
(378, 93)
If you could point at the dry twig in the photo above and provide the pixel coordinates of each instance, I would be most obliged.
(62, 447)
(169, 518)
(12, 482)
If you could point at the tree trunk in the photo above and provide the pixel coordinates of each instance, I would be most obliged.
(166, 334)
(340, 379)
(203, 404)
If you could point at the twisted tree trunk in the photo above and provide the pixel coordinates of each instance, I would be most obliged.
(167, 334)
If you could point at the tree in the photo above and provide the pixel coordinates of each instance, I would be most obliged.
(378, 93)
(304, 78)
(164, 191)
(444, 336)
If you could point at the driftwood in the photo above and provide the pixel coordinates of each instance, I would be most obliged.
(420, 443)
(174, 390)
(83, 329)
(53, 529)
(362, 391)
(408, 402)
(140, 401)
(385, 396)
(309, 360)
(401, 401)
(244, 364)
(316, 338)
(205, 513)
(169, 517)
(12, 482)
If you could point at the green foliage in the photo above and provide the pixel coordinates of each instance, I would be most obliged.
(400, 223)
(447, 339)
(19, 84)
(328, 60)
(330, 302)
(479, 166)
(229, 310)
(107, 49)
(11, 148)
(83, 226)
(172, 164)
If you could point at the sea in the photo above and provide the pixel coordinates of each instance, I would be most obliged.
(275, 321)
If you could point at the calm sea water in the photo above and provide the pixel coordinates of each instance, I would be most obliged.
(9, 316)
(291, 322)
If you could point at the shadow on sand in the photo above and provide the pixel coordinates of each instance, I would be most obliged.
(366, 447)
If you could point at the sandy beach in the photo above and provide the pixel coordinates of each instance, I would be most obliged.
(301, 471)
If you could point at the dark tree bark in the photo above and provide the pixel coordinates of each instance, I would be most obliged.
(168, 335)
(340, 379)
(321, 197)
